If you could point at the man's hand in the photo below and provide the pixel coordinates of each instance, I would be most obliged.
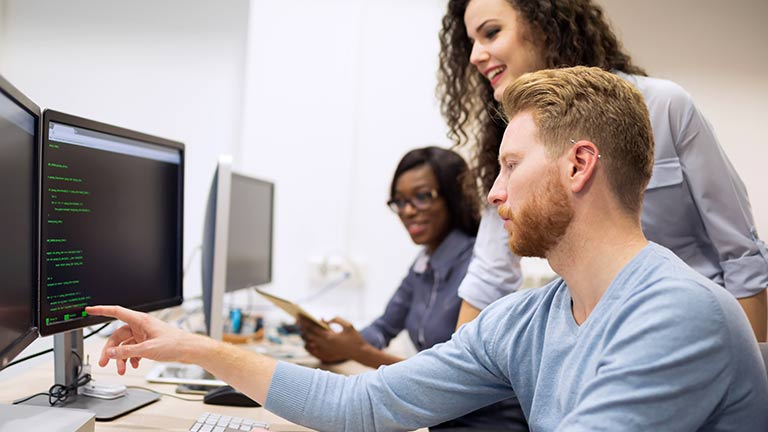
(143, 336)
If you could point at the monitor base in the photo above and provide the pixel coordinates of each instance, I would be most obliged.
(105, 410)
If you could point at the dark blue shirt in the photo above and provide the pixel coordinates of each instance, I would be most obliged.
(426, 304)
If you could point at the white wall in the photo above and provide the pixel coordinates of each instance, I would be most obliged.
(717, 51)
(337, 91)
(172, 68)
(324, 97)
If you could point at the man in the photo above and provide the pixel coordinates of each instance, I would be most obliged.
(629, 339)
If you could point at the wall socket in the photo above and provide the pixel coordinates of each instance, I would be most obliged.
(325, 270)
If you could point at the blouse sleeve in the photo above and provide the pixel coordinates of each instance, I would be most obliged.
(380, 332)
(494, 270)
(722, 201)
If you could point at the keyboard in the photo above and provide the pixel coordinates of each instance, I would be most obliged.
(208, 422)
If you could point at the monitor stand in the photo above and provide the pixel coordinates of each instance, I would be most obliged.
(66, 365)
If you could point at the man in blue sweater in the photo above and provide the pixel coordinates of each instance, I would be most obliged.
(630, 338)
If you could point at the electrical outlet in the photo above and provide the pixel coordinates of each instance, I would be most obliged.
(325, 270)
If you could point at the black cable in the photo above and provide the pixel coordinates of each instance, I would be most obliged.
(31, 356)
(166, 394)
(59, 392)
(28, 398)
(96, 331)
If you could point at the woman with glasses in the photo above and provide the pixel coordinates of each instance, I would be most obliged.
(434, 197)
(429, 194)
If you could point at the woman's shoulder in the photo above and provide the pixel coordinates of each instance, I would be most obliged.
(455, 249)
(660, 91)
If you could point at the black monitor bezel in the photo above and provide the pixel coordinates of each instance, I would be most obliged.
(72, 120)
(29, 336)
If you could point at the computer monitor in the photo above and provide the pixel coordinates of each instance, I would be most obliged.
(112, 203)
(237, 239)
(112, 225)
(19, 230)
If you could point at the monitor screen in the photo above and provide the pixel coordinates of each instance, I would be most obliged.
(112, 202)
(19, 119)
(249, 249)
(237, 239)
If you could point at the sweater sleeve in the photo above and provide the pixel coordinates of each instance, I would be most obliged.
(436, 385)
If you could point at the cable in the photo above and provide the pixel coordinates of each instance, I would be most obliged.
(31, 356)
(327, 288)
(30, 397)
(192, 255)
(167, 394)
(96, 331)
(59, 392)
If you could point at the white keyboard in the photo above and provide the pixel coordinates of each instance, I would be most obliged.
(208, 422)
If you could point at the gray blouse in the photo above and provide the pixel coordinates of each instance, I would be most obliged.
(695, 204)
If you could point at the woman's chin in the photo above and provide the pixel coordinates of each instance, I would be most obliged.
(419, 239)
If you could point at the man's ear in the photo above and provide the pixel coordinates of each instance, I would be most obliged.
(582, 159)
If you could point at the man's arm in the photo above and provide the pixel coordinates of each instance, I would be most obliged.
(458, 376)
(144, 336)
(756, 309)
(438, 384)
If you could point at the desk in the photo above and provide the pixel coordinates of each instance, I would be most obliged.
(167, 414)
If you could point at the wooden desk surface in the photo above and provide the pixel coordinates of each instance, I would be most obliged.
(167, 414)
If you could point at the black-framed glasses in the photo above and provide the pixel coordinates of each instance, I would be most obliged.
(419, 201)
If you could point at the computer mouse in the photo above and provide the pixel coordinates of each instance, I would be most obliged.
(227, 395)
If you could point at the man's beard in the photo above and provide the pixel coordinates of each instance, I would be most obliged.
(541, 222)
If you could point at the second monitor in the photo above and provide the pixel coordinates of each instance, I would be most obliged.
(237, 239)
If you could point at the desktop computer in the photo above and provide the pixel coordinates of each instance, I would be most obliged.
(236, 254)
(111, 233)
(237, 239)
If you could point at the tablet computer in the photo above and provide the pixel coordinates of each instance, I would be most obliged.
(292, 308)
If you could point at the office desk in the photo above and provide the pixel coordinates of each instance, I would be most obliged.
(167, 414)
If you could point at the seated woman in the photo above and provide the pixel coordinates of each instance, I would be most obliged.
(433, 195)
(439, 210)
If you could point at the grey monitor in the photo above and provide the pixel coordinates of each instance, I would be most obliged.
(237, 239)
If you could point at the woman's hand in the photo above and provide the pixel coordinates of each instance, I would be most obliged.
(330, 346)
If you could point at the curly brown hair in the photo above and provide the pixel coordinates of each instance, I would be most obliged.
(570, 32)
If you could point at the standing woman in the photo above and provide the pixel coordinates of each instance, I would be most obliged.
(695, 204)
